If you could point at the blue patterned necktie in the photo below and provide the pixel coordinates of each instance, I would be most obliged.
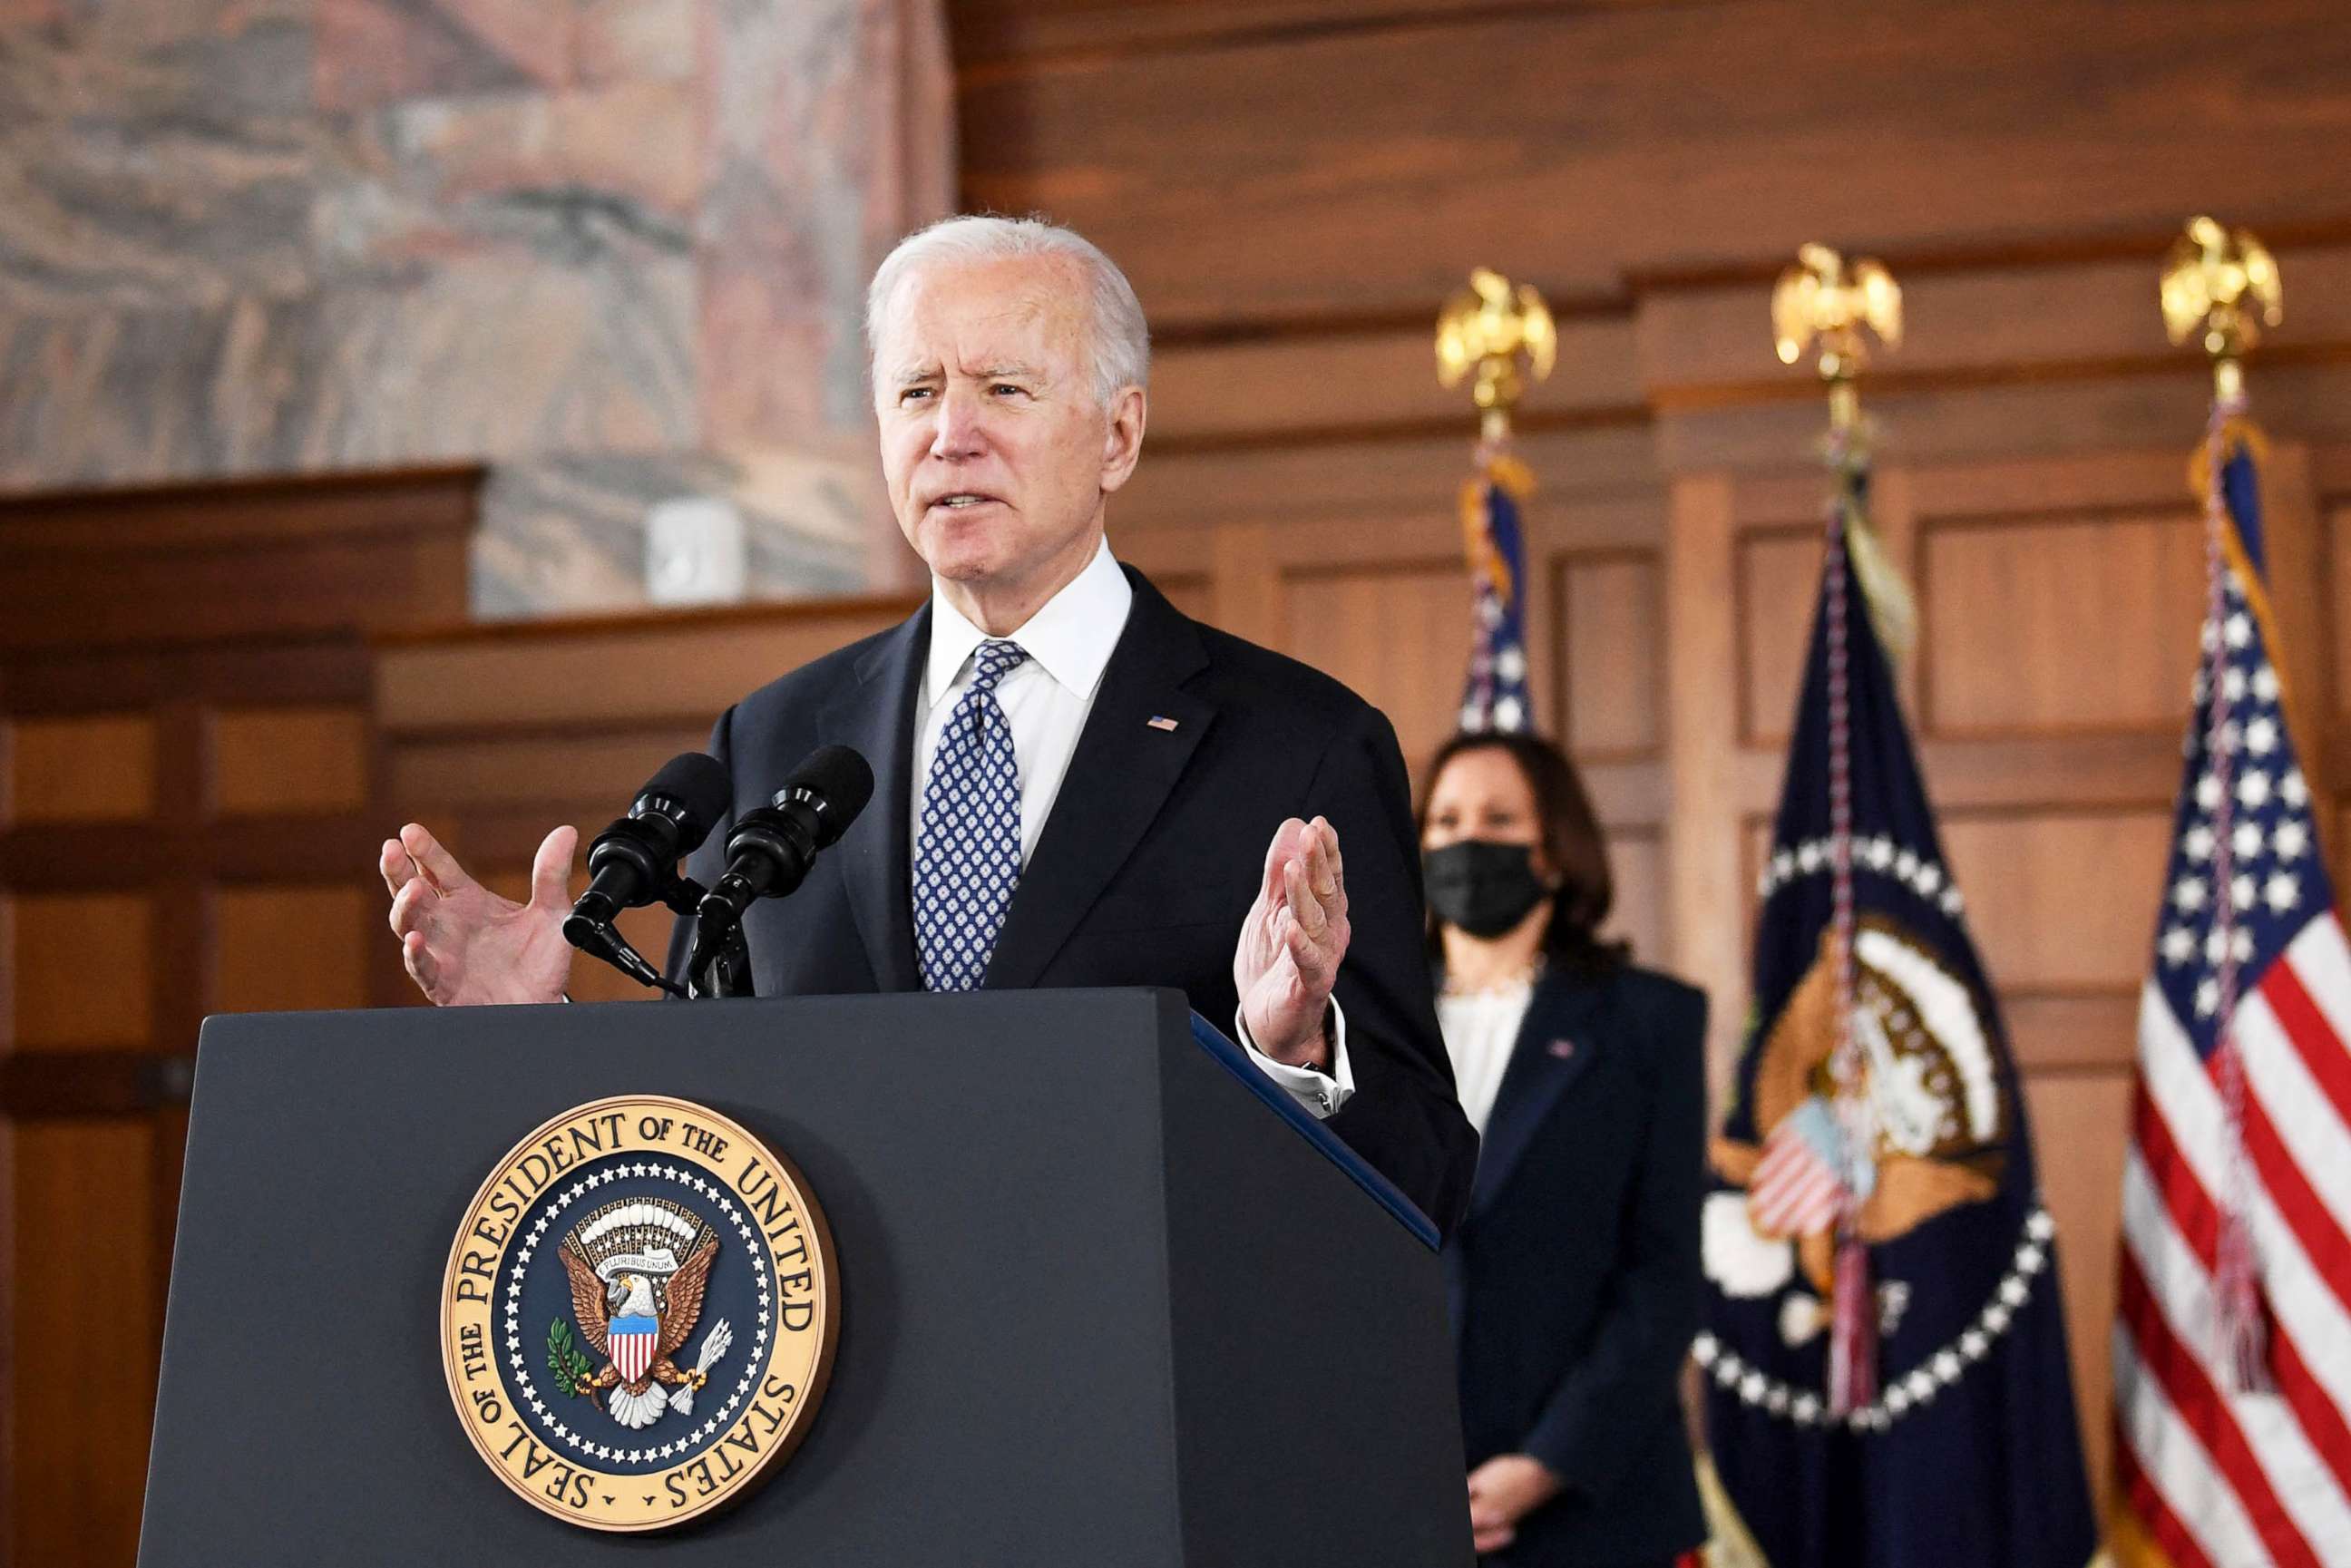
(968, 855)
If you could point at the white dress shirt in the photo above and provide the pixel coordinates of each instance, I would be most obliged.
(1046, 699)
(1480, 1028)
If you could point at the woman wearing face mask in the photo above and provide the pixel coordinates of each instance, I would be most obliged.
(1574, 1280)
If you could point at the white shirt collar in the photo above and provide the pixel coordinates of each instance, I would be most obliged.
(1070, 636)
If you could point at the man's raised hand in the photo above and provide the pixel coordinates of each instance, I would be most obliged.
(462, 944)
(1293, 942)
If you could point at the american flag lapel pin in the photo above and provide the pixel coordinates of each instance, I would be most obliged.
(1563, 1048)
(1161, 721)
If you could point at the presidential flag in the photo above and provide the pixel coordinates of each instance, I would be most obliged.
(1885, 1351)
(1495, 697)
(2233, 1342)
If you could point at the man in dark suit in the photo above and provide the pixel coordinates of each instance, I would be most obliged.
(1076, 785)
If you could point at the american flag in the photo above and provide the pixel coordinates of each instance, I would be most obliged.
(1796, 1189)
(2214, 1468)
(1495, 695)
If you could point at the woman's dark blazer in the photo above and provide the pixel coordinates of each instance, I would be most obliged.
(1574, 1280)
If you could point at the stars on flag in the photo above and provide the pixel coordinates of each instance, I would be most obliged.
(2271, 886)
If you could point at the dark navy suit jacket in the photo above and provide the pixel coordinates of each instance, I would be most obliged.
(1149, 862)
(1574, 1281)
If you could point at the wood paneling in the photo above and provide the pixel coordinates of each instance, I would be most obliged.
(86, 1326)
(288, 948)
(235, 560)
(482, 769)
(2086, 1030)
(2078, 1124)
(2030, 905)
(1779, 573)
(1708, 884)
(1399, 629)
(81, 968)
(557, 672)
(2008, 608)
(1637, 863)
(289, 761)
(1583, 145)
(187, 666)
(95, 770)
(1611, 654)
(2338, 537)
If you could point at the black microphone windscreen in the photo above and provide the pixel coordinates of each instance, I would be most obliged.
(699, 783)
(841, 778)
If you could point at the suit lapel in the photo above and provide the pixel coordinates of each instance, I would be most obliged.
(876, 716)
(1118, 779)
(1556, 1044)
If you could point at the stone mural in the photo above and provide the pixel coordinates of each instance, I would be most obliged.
(614, 248)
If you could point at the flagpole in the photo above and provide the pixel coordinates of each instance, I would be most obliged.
(1822, 301)
(2212, 283)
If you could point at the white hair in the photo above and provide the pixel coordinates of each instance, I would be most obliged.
(1120, 338)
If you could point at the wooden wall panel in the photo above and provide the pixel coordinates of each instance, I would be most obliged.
(289, 761)
(2028, 880)
(1779, 573)
(559, 673)
(92, 770)
(292, 947)
(81, 969)
(1400, 631)
(1637, 862)
(480, 770)
(2008, 608)
(1586, 143)
(2338, 537)
(1610, 653)
(86, 1325)
(233, 559)
(2078, 1121)
(186, 667)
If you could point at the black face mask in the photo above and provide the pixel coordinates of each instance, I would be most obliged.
(1483, 888)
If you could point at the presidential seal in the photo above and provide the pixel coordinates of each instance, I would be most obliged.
(639, 1313)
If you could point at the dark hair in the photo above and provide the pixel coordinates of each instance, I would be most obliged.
(1572, 843)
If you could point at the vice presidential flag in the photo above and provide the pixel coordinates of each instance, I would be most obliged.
(1884, 1352)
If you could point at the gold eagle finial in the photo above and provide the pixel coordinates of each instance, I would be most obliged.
(2216, 283)
(1487, 328)
(1823, 299)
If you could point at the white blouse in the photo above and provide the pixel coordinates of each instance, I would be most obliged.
(1480, 1030)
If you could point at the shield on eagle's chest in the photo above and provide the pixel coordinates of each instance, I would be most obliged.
(633, 1341)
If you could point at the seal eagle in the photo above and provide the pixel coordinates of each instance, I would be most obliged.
(624, 1266)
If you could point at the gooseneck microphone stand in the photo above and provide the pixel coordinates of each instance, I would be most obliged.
(720, 966)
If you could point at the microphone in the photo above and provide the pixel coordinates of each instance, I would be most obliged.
(772, 849)
(631, 863)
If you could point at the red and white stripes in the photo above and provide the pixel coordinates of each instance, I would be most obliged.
(2215, 1475)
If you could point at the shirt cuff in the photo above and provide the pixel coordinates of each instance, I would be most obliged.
(1321, 1093)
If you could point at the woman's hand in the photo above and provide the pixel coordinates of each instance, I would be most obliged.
(1502, 1491)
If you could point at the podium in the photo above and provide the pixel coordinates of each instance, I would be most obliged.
(1106, 1295)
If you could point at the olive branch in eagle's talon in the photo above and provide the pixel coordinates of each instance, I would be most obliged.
(574, 1373)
